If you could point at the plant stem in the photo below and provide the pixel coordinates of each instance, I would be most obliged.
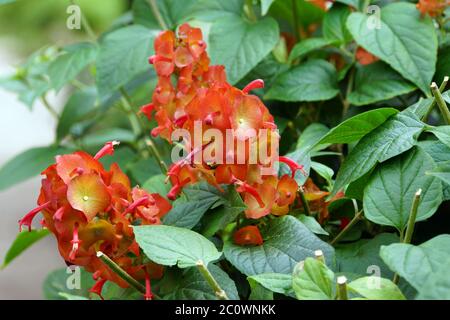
(355, 219)
(342, 288)
(157, 14)
(296, 25)
(412, 217)
(440, 102)
(218, 291)
(49, 107)
(134, 121)
(304, 201)
(149, 142)
(86, 26)
(120, 272)
(433, 103)
(346, 103)
(319, 256)
(138, 129)
(406, 238)
(248, 9)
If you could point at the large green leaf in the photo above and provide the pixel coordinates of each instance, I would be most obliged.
(22, 242)
(442, 133)
(441, 171)
(68, 65)
(355, 128)
(312, 280)
(334, 28)
(311, 135)
(286, 242)
(123, 55)
(361, 257)
(306, 46)
(276, 282)
(416, 264)
(240, 45)
(170, 246)
(437, 286)
(389, 195)
(156, 184)
(79, 105)
(405, 40)
(376, 82)
(313, 80)
(27, 164)
(395, 136)
(193, 286)
(386, 289)
(57, 282)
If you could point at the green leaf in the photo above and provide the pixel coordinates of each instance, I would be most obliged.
(389, 195)
(240, 45)
(99, 137)
(258, 292)
(66, 281)
(68, 296)
(441, 171)
(276, 282)
(312, 224)
(225, 214)
(443, 64)
(186, 213)
(405, 40)
(377, 82)
(437, 286)
(420, 108)
(123, 55)
(193, 285)
(311, 135)
(334, 28)
(416, 264)
(355, 128)
(286, 242)
(68, 65)
(170, 246)
(306, 46)
(313, 80)
(312, 280)
(395, 136)
(442, 133)
(156, 184)
(361, 256)
(77, 107)
(367, 288)
(28, 164)
(22, 242)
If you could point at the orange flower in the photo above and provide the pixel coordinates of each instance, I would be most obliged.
(434, 8)
(364, 57)
(90, 209)
(248, 236)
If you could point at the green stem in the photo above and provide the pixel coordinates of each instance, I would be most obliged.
(248, 9)
(355, 219)
(157, 14)
(319, 256)
(440, 102)
(134, 121)
(138, 128)
(304, 202)
(433, 103)
(149, 142)
(49, 107)
(120, 272)
(342, 288)
(346, 103)
(86, 26)
(218, 291)
(412, 217)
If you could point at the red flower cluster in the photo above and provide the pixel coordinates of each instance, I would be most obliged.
(191, 91)
(434, 8)
(90, 209)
